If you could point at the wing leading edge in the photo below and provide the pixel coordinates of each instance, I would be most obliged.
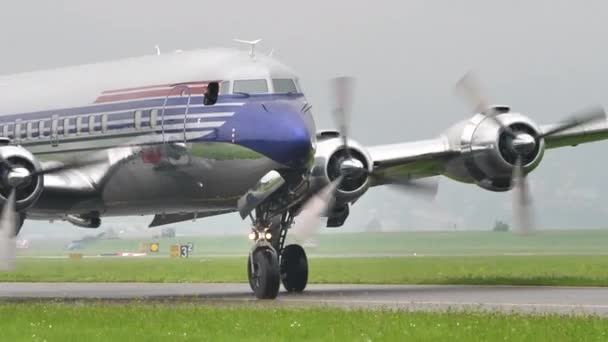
(590, 132)
(407, 161)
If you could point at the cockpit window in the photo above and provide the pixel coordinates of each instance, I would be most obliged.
(225, 87)
(284, 85)
(250, 86)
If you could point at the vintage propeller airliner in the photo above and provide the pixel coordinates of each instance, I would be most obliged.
(207, 132)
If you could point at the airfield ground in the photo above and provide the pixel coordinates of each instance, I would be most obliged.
(564, 270)
(565, 258)
(399, 243)
(573, 257)
(183, 322)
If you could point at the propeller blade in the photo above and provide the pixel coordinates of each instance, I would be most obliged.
(308, 222)
(469, 88)
(343, 97)
(581, 118)
(523, 214)
(8, 231)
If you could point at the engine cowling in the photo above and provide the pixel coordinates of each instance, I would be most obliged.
(16, 166)
(490, 153)
(334, 160)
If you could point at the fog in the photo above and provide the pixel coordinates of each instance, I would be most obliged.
(544, 58)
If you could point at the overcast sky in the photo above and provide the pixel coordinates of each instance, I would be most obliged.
(544, 58)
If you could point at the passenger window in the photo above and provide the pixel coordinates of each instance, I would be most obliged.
(29, 129)
(18, 129)
(78, 125)
(40, 128)
(250, 86)
(153, 118)
(66, 127)
(225, 87)
(284, 85)
(54, 127)
(91, 124)
(104, 123)
(137, 119)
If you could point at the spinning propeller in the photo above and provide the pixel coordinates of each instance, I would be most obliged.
(521, 143)
(309, 222)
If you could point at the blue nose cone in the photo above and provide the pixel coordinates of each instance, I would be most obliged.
(281, 134)
(294, 147)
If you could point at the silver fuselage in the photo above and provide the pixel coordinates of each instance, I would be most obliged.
(163, 150)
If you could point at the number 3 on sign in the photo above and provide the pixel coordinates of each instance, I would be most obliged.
(184, 251)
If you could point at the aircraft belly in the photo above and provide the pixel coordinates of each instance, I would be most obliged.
(192, 182)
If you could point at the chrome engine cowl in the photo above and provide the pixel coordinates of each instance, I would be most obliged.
(333, 160)
(16, 166)
(490, 152)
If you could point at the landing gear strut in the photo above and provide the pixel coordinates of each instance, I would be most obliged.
(270, 263)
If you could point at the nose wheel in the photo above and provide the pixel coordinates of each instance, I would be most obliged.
(270, 264)
(263, 272)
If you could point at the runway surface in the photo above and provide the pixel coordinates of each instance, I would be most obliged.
(578, 300)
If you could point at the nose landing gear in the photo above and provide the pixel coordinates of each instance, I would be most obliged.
(270, 263)
(263, 272)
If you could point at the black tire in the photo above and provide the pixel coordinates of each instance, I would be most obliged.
(294, 268)
(264, 277)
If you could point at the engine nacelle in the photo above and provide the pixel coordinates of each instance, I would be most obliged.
(16, 166)
(331, 155)
(490, 153)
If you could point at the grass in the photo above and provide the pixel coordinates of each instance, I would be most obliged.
(488, 270)
(433, 243)
(191, 322)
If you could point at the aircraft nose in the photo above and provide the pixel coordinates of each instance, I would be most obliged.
(297, 144)
(280, 133)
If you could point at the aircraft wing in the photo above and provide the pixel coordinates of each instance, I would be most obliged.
(160, 219)
(590, 132)
(412, 160)
(427, 158)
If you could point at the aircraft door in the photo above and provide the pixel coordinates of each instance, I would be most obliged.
(171, 130)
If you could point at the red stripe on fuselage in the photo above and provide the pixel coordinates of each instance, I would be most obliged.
(114, 91)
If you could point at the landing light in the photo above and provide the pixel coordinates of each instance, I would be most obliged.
(267, 235)
(253, 235)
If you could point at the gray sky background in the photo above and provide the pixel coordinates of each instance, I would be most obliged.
(544, 58)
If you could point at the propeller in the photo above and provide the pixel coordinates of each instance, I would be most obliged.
(8, 231)
(523, 211)
(308, 221)
(15, 177)
(469, 88)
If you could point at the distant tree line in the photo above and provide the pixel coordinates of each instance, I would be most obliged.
(500, 226)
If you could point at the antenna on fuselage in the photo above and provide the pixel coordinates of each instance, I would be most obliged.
(253, 43)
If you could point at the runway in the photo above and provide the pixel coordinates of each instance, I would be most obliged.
(541, 299)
